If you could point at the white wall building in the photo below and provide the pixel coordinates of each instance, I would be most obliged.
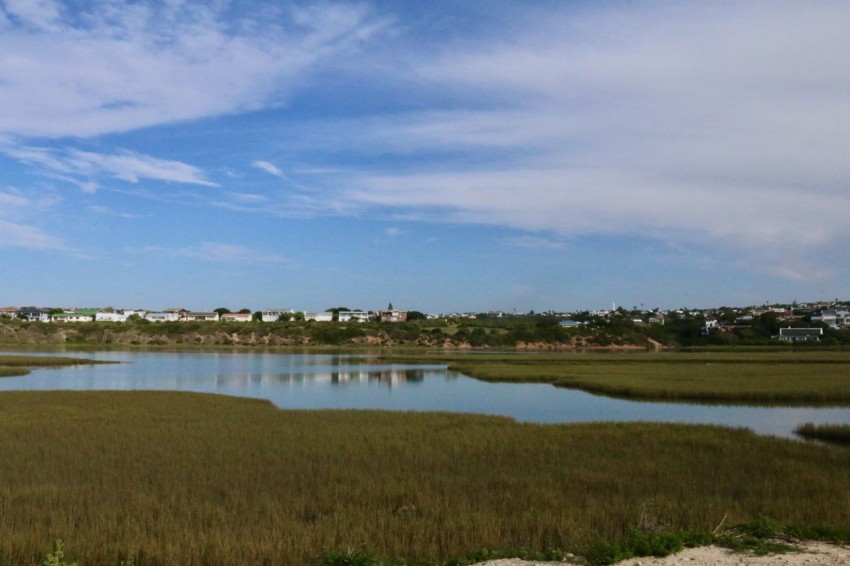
(319, 316)
(355, 316)
(103, 316)
(273, 315)
(162, 316)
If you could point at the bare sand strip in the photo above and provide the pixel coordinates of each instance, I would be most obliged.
(811, 554)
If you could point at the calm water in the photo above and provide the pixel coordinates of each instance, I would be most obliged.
(319, 381)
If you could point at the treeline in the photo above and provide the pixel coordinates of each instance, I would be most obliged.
(618, 329)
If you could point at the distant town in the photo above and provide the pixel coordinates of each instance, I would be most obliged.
(820, 321)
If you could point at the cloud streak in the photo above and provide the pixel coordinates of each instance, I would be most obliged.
(158, 63)
(673, 122)
(215, 252)
(126, 166)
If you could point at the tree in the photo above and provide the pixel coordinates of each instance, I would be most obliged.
(245, 311)
(257, 316)
(299, 315)
(390, 307)
(415, 315)
(221, 310)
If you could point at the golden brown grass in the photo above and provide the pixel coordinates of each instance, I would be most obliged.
(181, 478)
(780, 377)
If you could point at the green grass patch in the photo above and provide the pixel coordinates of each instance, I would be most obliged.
(839, 433)
(45, 361)
(14, 366)
(789, 378)
(13, 372)
(182, 478)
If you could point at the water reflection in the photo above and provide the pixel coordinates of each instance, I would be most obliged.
(339, 381)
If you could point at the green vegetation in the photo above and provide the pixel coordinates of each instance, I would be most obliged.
(182, 478)
(11, 366)
(779, 377)
(830, 432)
(620, 329)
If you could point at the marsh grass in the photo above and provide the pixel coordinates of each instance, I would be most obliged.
(183, 478)
(812, 378)
(839, 433)
(14, 366)
(45, 361)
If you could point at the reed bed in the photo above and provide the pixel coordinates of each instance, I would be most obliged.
(44, 361)
(791, 378)
(13, 372)
(183, 478)
(839, 433)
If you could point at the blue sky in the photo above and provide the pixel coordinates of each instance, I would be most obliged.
(438, 155)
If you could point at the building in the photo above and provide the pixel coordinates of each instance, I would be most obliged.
(273, 315)
(319, 316)
(200, 317)
(393, 315)
(103, 316)
(236, 317)
(164, 316)
(72, 317)
(33, 314)
(353, 316)
(800, 334)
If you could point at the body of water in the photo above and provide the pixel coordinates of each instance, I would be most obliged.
(340, 381)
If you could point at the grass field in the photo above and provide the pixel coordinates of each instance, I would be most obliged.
(747, 377)
(182, 478)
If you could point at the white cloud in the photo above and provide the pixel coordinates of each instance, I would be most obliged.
(127, 166)
(721, 125)
(393, 231)
(12, 199)
(120, 65)
(28, 237)
(38, 14)
(269, 168)
(215, 252)
(535, 242)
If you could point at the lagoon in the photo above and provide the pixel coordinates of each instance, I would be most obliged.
(358, 381)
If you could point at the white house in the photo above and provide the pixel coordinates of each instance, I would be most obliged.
(800, 334)
(162, 316)
(236, 317)
(835, 318)
(355, 316)
(319, 316)
(273, 315)
(102, 316)
(200, 317)
(72, 317)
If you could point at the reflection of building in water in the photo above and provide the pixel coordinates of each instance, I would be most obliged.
(388, 376)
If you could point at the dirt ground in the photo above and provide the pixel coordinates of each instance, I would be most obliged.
(811, 554)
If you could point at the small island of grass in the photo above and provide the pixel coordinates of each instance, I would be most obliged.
(839, 433)
(14, 365)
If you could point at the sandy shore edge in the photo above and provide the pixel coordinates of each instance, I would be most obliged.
(811, 554)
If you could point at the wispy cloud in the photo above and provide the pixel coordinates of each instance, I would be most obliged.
(28, 237)
(126, 166)
(269, 168)
(678, 122)
(17, 213)
(535, 242)
(155, 63)
(107, 211)
(214, 252)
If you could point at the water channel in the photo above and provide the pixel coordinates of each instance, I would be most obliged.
(342, 381)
